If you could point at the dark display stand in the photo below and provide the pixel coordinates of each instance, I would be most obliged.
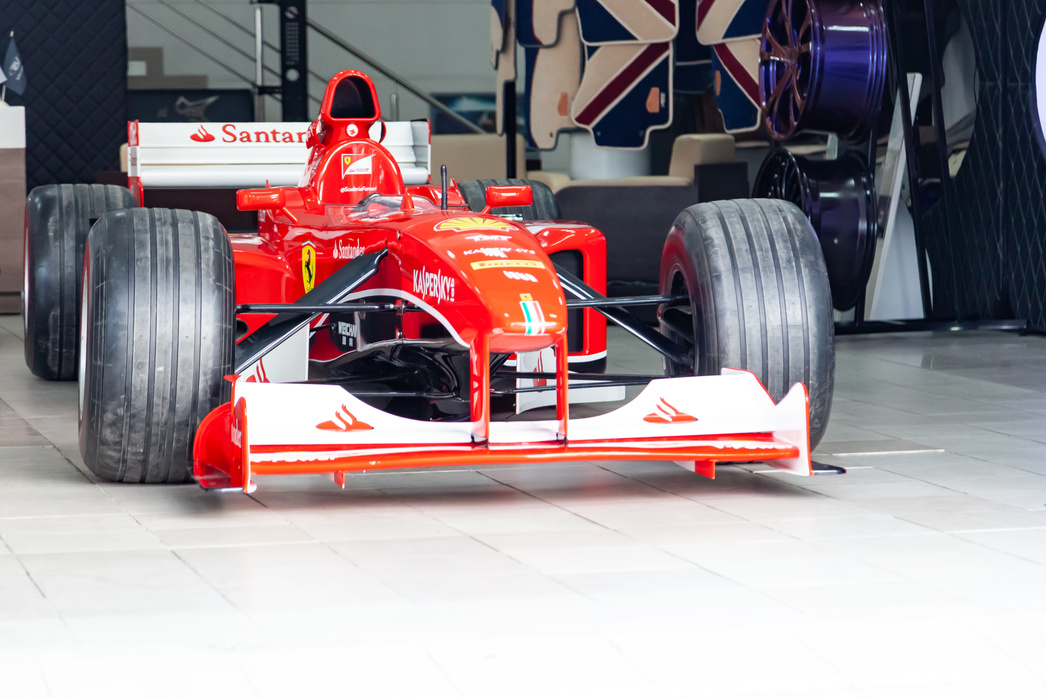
(12, 206)
(974, 232)
(294, 60)
(1022, 163)
(982, 231)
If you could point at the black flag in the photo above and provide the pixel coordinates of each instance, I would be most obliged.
(13, 68)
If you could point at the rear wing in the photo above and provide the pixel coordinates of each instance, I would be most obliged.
(249, 154)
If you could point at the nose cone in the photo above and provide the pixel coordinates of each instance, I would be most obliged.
(512, 277)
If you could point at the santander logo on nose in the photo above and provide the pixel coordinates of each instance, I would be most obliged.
(202, 136)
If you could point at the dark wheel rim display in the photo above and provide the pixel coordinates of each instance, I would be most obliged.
(838, 196)
(822, 67)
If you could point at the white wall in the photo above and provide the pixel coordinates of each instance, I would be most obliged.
(439, 45)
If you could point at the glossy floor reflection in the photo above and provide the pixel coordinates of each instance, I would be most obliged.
(919, 573)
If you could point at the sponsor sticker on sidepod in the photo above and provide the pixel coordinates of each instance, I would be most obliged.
(347, 249)
(435, 285)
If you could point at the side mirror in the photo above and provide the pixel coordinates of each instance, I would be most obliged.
(260, 199)
(509, 195)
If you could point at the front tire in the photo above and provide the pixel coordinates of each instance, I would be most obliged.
(57, 220)
(157, 340)
(758, 298)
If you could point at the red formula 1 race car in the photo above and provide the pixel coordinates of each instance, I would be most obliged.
(375, 321)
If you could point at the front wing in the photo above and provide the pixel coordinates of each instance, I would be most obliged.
(273, 428)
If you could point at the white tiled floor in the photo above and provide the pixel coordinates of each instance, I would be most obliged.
(919, 573)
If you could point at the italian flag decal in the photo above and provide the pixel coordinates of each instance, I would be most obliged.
(533, 315)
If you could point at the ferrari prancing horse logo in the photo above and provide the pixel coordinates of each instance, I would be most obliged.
(308, 266)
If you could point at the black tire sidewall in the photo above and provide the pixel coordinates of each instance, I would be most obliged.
(544, 207)
(699, 251)
(684, 268)
(58, 219)
(160, 302)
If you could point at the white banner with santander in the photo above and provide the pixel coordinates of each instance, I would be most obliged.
(187, 155)
(240, 155)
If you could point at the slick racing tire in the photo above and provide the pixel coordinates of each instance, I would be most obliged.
(58, 218)
(757, 298)
(544, 207)
(156, 341)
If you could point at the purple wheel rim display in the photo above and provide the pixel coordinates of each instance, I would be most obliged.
(838, 196)
(822, 67)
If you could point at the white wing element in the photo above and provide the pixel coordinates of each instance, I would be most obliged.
(697, 421)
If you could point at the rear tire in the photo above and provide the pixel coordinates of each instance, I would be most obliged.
(544, 207)
(759, 298)
(58, 218)
(157, 340)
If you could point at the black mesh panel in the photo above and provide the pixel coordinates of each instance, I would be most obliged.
(75, 56)
(991, 263)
